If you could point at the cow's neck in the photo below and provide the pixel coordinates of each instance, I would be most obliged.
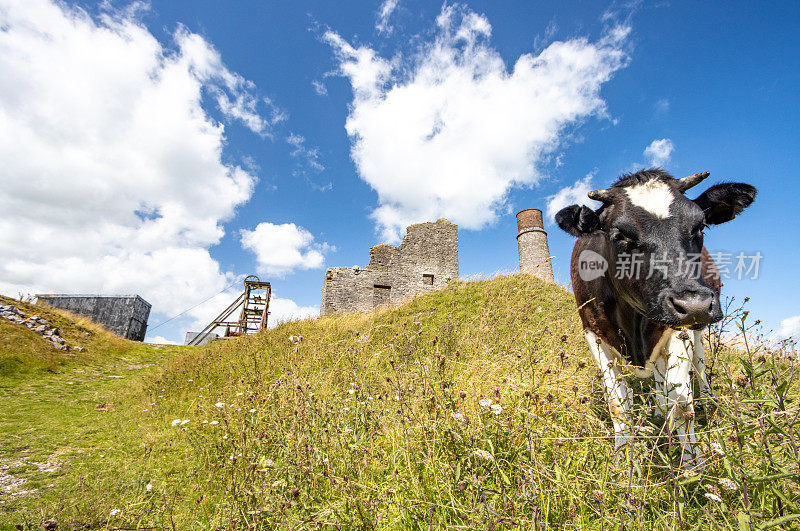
(638, 335)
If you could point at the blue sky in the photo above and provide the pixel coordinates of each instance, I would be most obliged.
(168, 148)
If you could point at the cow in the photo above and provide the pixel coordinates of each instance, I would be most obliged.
(650, 319)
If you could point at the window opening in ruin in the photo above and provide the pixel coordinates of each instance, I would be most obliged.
(380, 295)
(427, 279)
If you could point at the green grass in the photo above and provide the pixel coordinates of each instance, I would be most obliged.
(375, 421)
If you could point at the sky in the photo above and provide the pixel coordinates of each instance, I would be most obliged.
(169, 148)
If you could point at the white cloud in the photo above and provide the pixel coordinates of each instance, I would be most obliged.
(662, 107)
(570, 195)
(790, 327)
(319, 87)
(282, 249)
(161, 340)
(282, 310)
(113, 179)
(300, 151)
(385, 11)
(658, 153)
(448, 132)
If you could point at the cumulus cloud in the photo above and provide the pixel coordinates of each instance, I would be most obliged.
(113, 178)
(282, 310)
(790, 327)
(449, 131)
(571, 195)
(385, 11)
(282, 249)
(658, 153)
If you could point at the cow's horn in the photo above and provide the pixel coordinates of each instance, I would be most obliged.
(692, 180)
(601, 195)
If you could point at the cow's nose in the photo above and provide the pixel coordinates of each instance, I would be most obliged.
(692, 307)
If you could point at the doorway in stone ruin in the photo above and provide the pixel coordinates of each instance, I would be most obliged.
(380, 295)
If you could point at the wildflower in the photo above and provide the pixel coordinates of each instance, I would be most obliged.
(144, 411)
(184, 422)
(252, 411)
(205, 422)
(459, 417)
(213, 423)
(239, 394)
(115, 512)
(220, 404)
(713, 497)
(148, 487)
(176, 422)
(485, 402)
(717, 447)
(496, 409)
(689, 474)
(351, 391)
(728, 484)
(483, 454)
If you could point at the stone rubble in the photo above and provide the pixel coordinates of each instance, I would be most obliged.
(37, 324)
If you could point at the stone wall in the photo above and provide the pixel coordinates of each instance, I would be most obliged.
(534, 252)
(125, 315)
(426, 260)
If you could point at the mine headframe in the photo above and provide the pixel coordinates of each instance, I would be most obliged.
(254, 304)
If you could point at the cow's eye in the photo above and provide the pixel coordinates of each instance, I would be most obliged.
(697, 232)
(623, 236)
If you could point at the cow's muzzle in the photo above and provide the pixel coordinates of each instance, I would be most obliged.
(695, 308)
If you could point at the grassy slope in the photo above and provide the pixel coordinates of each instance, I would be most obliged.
(374, 421)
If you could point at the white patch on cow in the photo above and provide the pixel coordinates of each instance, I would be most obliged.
(673, 375)
(618, 393)
(653, 196)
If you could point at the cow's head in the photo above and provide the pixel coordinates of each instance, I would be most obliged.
(646, 219)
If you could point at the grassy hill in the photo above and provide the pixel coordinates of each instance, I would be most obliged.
(476, 407)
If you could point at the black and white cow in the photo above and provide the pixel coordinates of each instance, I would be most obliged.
(646, 287)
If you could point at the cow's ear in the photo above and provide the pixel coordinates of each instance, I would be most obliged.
(723, 202)
(578, 220)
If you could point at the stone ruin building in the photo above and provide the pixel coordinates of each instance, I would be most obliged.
(426, 260)
(534, 252)
(125, 315)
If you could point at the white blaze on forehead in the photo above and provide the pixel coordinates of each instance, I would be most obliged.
(653, 196)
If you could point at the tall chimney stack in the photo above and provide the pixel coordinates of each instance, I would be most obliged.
(534, 253)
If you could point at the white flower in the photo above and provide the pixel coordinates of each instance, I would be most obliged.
(717, 447)
(144, 410)
(713, 497)
(496, 409)
(485, 402)
(689, 474)
(213, 423)
(348, 430)
(728, 484)
(115, 512)
(220, 404)
(148, 487)
(184, 422)
(483, 454)
(239, 394)
(351, 391)
(345, 409)
(458, 417)
(252, 411)
(176, 422)
(205, 422)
